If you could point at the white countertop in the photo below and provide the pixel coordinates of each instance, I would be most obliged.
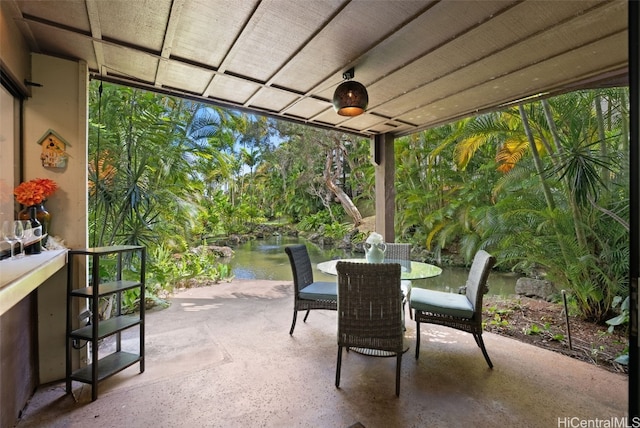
(20, 276)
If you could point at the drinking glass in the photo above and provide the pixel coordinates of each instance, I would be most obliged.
(26, 225)
(8, 234)
(18, 232)
(28, 232)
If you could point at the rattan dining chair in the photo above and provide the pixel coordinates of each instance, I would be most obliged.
(402, 254)
(308, 294)
(370, 310)
(460, 311)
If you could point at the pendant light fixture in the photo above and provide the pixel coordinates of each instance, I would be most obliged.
(350, 97)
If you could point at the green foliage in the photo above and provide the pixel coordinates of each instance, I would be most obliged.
(536, 329)
(169, 174)
(533, 329)
(623, 317)
(439, 204)
(154, 163)
(167, 270)
(623, 358)
(314, 221)
(131, 300)
(323, 223)
(337, 231)
(499, 321)
(500, 316)
(562, 209)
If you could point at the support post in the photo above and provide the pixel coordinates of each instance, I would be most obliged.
(384, 160)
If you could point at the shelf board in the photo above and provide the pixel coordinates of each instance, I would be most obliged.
(106, 328)
(107, 366)
(106, 288)
(107, 250)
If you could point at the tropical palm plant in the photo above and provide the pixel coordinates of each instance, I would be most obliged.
(552, 200)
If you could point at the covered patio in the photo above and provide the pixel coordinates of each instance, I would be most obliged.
(225, 359)
(423, 63)
(221, 356)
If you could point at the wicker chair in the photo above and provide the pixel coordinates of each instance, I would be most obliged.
(402, 254)
(308, 294)
(460, 311)
(370, 310)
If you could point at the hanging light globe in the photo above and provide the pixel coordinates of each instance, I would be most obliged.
(350, 97)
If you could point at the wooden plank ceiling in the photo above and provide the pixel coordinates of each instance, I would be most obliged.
(424, 63)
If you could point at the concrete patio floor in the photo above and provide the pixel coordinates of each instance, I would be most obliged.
(221, 356)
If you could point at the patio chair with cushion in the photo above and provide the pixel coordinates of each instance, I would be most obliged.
(460, 311)
(402, 254)
(308, 294)
(370, 310)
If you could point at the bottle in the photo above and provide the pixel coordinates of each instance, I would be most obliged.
(36, 247)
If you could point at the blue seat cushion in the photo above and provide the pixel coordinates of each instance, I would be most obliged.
(320, 291)
(405, 286)
(456, 305)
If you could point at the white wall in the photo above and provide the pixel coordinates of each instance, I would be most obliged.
(60, 104)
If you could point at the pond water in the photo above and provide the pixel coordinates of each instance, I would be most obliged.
(266, 259)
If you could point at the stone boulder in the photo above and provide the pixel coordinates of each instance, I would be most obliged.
(538, 288)
(220, 251)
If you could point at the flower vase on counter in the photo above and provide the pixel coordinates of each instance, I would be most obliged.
(375, 248)
(34, 193)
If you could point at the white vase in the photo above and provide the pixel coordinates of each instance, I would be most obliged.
(375, 252)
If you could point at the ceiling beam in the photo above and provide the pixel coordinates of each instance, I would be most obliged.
(169, 36)
(96, 31)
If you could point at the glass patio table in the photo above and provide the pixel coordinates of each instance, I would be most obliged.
(409, 270)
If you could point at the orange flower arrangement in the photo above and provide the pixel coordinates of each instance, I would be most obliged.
(35, 191)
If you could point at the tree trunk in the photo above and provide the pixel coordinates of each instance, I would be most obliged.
(573, 205)
(330, 181)
(538, 163)
(536, 158)
(605, 174)
(348, 205)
